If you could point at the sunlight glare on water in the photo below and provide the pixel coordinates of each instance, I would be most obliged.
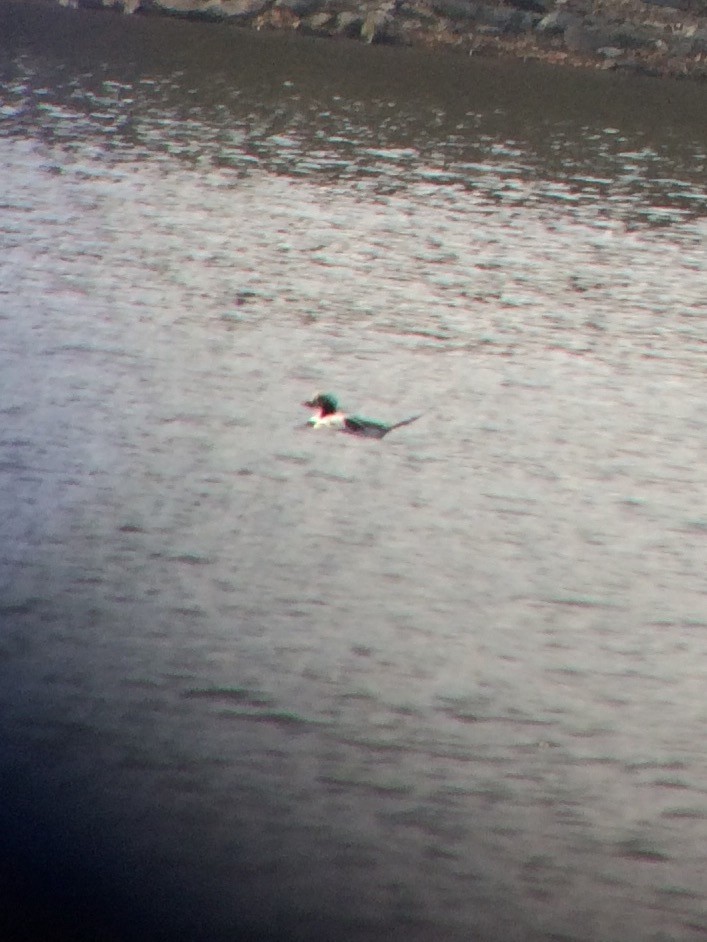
(262, 681)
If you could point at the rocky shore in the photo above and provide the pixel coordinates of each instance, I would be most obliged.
(655, 37)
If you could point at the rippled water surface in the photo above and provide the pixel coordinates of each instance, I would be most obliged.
(261, 682)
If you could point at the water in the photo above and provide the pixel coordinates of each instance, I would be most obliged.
(263, 683)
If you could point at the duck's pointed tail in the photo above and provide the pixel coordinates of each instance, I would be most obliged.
(413, 418)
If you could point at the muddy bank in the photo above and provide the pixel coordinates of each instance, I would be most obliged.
(656, 37)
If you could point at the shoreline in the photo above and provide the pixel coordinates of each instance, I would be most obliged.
(663, 38)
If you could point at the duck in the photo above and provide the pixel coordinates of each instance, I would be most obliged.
(330, 416)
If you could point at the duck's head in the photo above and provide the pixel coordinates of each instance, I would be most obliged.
(325, 402)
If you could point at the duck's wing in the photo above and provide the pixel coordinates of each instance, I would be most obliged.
(368, 428)
(371, 428)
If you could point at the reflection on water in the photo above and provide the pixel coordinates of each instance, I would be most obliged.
(262, 683)
(401, 118)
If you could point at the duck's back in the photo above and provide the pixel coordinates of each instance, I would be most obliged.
(366, 428)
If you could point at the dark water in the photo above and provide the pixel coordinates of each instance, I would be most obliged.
(260, 682)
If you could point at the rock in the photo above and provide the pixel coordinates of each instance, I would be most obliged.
(675, 4)
(584, 39)
(629, 36)
(533, 6)
(301, 7)
(318, 23)
(498, 18)
(348, 24)
(375, 27)
(555, 23)
(319, 20)
(456, 9)
(610, 52)
(214, 9)
(699, 41)
(180, 7)
(127, 6)
(507, 20)
(241, 8)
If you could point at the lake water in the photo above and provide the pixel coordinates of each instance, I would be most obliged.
(259, 682)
